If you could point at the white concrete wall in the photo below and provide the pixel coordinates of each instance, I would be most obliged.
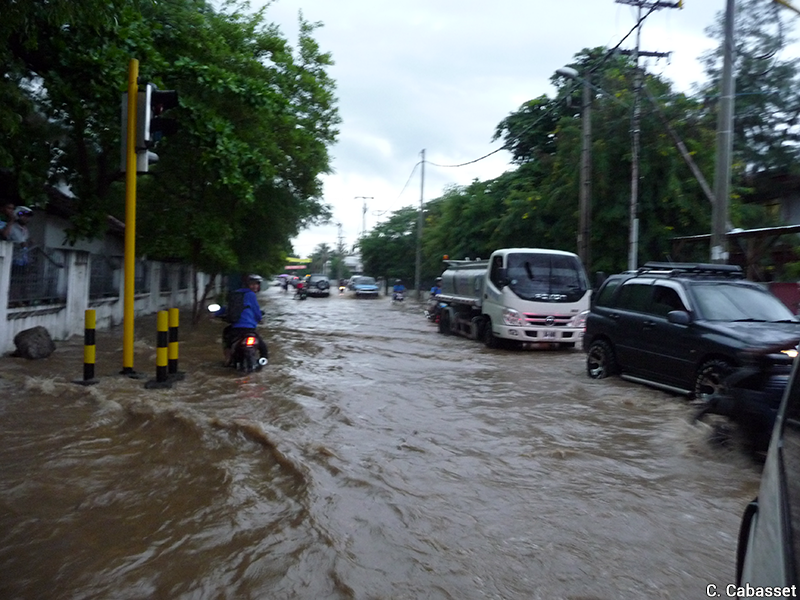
(66, 319)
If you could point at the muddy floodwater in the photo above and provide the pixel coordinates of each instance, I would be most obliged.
(372, 459)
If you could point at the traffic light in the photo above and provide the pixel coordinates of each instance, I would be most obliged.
(152, 125)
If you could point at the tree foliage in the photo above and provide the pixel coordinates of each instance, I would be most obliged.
(767, 95)
(256, 119)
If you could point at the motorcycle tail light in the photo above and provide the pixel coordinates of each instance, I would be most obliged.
(250, 340)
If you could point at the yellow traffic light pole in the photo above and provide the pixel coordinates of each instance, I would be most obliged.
(130, 220)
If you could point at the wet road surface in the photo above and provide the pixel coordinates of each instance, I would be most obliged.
(372, 458)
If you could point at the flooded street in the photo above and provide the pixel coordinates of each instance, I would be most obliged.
(372, 459)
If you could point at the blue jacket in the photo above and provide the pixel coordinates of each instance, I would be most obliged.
(251, 315)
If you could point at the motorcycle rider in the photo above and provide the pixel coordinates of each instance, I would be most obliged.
(301, 288)
(247, 322)
(434, 307)
(398, 288)
(437, 287)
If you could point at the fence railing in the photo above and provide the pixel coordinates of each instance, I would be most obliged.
(37, 277)
(105, 276)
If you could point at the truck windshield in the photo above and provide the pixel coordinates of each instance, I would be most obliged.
(546, 277)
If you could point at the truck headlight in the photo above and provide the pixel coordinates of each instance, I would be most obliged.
(512, 317)
(579, 320)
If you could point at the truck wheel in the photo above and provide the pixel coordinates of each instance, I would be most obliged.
(444, 322)
(489, 339)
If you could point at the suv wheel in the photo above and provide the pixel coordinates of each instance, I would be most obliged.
(600, 360)
(710, 377)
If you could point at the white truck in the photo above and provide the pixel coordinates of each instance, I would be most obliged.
(530, 295)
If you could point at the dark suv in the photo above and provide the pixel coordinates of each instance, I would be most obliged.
(319, 285)
(685, 327)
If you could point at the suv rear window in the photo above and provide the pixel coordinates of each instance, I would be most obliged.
(604, 296)
(634, 296)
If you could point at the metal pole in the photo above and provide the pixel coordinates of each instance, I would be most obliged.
(364, 213)
(633, 231)
(418, 268)
(585, 226)
(722, 173)
(130, 220)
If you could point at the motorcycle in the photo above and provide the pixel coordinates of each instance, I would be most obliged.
(397, 297)
(301, 293)
(245, 353)
(433, 310)
(245, 356)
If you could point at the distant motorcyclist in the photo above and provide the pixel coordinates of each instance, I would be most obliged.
(437, 288)
(399, 290)
(434, 307)
(248, 319)
(301, 288)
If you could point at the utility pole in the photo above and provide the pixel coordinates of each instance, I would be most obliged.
(418, 268)
(585, 200)
(363, 213)
(633, 226)
(722, 173)
(340, 251)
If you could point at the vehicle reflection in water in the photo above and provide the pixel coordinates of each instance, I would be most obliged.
(372, 458)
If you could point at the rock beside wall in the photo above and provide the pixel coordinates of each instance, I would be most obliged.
(34, 343)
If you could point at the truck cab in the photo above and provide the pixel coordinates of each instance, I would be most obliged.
(528, 295)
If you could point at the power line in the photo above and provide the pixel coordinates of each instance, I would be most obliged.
(467, 163)
(556, 100)
(414, 170)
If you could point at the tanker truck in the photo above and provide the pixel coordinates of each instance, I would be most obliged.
(523, 295)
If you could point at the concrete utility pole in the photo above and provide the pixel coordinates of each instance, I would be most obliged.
(418, 267)
(722, 172)
(363, 213)
(584, 226)
(633, 235)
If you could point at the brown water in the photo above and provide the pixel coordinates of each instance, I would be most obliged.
(373, 458)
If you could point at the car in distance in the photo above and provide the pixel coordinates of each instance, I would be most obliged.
(769, 535)
(686, 327)
(364, 286)
(318, 285)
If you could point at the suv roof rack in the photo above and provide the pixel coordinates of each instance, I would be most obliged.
(697, 269)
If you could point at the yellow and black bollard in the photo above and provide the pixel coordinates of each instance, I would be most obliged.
(89, 349)
(162, 337)
(174, 319)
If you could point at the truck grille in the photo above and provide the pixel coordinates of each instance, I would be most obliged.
(547, 320)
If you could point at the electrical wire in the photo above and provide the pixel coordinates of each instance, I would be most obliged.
(555, 102)
(414, 170)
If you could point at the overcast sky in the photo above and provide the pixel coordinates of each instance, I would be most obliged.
(439, 75)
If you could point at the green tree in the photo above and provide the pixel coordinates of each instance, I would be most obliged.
(389, 249)
(319, 257)
(767, 102)
(241, 177)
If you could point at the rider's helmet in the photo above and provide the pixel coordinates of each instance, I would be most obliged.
(438, 280)
(23, 211)
(397, 281)
(254, 278)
